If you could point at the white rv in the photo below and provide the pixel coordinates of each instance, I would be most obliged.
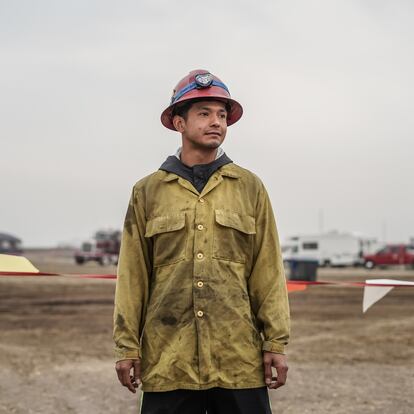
(329, 249)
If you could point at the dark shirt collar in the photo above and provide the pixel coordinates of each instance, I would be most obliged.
(198, 174)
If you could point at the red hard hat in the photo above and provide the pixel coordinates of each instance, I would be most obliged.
(201, 84)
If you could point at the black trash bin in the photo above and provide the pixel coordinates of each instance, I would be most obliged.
(303, 269)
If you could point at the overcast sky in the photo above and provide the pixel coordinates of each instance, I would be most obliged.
(326, 86)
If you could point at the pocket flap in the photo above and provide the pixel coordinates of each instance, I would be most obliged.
(164, 224)
(244, 223)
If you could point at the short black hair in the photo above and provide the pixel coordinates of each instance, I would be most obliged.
(182, 108)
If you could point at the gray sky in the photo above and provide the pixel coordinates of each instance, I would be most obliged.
(327, 90)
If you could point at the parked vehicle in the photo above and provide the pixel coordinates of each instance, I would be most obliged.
(391, 254)
(103, 248)
(329, 249)
(10, 244)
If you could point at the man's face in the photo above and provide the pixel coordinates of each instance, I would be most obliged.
(206, 124)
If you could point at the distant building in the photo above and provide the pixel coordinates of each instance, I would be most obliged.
(10, 244)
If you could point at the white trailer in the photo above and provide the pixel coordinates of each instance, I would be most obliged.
(329, 249)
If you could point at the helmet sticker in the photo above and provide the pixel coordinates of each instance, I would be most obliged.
(173, 95)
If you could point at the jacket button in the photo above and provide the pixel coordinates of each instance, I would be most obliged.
(201, 200)
(200, 227)
(200, 255)
(200, 314)
(200, 284)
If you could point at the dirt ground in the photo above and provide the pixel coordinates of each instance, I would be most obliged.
(56, 345)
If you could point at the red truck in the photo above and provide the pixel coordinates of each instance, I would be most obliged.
(391, 254)
(104, 248)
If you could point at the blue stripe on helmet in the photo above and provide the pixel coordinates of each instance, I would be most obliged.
(194, 85)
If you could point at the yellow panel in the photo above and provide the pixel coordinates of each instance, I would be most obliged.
(10, 263)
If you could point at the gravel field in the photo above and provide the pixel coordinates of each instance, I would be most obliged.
(56, 345)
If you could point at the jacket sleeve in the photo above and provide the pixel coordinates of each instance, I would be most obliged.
(267, 283)
(132, 285)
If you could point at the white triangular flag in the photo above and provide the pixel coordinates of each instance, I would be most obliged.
(373, 294)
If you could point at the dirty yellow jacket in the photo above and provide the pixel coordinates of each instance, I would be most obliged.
(201, 289)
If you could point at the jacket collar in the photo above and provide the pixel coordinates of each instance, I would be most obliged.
(228, 170)
(175, 168)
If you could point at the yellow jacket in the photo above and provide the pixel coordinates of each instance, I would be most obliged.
(201, 289)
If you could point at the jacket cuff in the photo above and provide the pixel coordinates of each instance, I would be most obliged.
(121, 354)
(275, 347)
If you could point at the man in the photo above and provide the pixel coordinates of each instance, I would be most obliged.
(201, 309)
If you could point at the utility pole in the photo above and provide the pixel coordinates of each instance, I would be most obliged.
(320, 220)
(384, 230)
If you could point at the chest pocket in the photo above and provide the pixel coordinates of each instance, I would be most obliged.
(169, 238)
(233, 236)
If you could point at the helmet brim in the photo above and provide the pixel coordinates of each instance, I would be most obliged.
(235, 114)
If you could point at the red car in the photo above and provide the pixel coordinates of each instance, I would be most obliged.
(392, 254)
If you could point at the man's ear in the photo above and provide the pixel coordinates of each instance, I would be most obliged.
(178, 123)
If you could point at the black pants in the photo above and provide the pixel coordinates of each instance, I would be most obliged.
(212, 401)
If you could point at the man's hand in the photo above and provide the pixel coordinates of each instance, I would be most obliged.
(279, 361)
(123, 369)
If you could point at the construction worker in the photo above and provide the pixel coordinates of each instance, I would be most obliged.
(201, 308)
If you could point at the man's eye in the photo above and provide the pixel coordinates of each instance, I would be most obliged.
(203, 113)
(223, 116)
